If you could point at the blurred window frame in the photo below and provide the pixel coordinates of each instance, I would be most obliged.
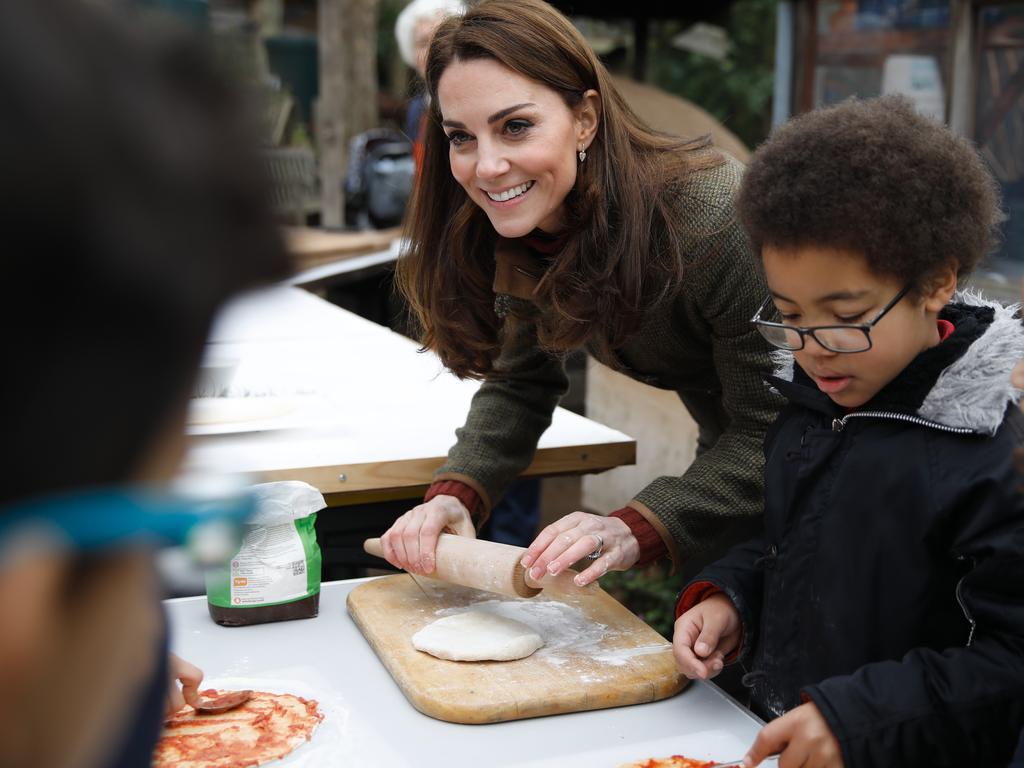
(959, 46)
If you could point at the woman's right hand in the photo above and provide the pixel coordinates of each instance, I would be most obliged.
(410, 543)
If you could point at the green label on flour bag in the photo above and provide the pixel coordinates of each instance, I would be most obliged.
(275, 574)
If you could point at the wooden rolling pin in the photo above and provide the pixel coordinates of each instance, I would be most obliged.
(479, 564)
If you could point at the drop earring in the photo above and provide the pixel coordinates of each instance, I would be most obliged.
(583, 155)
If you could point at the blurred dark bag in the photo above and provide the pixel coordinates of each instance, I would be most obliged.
(381, 170)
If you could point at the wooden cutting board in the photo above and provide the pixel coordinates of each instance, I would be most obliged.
(596, 654)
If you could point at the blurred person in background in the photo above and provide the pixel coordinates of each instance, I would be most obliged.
(132, 208)
(413, 29)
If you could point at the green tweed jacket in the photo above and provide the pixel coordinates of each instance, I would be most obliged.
(698, 342)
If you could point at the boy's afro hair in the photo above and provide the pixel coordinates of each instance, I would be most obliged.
(875, 177)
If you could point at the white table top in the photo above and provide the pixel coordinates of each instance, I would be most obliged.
(369, 721)
(352, 265)
(362, 401)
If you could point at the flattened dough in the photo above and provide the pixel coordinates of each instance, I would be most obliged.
(477, 636)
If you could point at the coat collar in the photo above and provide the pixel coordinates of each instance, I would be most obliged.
(962, 382)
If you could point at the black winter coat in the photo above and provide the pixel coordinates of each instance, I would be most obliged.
(888, 587)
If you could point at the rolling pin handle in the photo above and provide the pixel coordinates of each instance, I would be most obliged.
(373, 547)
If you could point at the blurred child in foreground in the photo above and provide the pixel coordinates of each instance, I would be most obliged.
(131, 209)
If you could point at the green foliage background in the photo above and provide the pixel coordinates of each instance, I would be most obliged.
(648, 592)
(736, 90)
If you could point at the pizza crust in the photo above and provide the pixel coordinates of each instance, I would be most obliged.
(675, 761)
(477, 636)
(267, 727)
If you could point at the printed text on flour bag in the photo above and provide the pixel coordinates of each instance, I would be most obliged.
(270, 567)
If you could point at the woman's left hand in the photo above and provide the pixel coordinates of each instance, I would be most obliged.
(575, 536)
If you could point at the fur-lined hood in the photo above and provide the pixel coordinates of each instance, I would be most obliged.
(974, 390)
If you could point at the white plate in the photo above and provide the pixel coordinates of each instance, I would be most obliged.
(227, 415)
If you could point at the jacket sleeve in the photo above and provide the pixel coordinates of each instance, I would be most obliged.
(962, 705)
(740, 575)
(724, 484)
(507, 416)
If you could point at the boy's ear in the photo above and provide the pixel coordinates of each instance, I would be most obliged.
(939, 288)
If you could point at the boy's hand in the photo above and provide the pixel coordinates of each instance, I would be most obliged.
(705, 635)
(801, 738)
(190, 676)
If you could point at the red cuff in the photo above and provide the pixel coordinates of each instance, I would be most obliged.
(469, 498)
(651, 545)
(695, 593)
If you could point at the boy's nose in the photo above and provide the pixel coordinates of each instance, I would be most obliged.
(813, 347)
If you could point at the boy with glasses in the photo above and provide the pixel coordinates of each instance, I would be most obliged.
(880, 616)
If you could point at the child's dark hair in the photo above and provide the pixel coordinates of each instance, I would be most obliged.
(133, 205)
(875, 177)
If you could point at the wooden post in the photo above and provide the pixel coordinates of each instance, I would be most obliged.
(960, 100)
(348, 92)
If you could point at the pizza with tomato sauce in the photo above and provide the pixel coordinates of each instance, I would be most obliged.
(675, 761)
(267, 727)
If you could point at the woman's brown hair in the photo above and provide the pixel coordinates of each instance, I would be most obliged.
(624, 247)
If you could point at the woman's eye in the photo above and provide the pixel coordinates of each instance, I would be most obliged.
(517, 127)
(789, 317)
(457, 138)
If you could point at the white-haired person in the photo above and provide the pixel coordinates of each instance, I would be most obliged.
(413, 29)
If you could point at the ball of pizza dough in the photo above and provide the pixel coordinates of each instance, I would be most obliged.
(477, 636)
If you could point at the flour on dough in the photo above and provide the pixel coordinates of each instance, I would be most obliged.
(477, 636)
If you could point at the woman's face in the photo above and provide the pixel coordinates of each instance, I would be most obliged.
(513, 143)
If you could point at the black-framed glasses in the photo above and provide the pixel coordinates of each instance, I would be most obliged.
(852, 337)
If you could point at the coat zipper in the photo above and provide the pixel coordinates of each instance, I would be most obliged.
(963, 607)
(839, 424)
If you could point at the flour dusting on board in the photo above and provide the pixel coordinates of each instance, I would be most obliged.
(566, 630)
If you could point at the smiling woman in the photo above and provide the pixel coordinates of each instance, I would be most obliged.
(547, 218)
(512, 161)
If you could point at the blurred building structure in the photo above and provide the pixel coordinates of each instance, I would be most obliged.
(961, 61)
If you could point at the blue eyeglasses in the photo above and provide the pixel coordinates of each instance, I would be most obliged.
(852, 337)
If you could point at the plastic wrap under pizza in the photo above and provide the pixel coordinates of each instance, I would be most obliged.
(675, 761)
(267, 727)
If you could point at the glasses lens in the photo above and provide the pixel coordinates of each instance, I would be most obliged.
(840, 339)
(783, 338)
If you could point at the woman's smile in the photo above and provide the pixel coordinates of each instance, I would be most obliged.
(509, 195)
